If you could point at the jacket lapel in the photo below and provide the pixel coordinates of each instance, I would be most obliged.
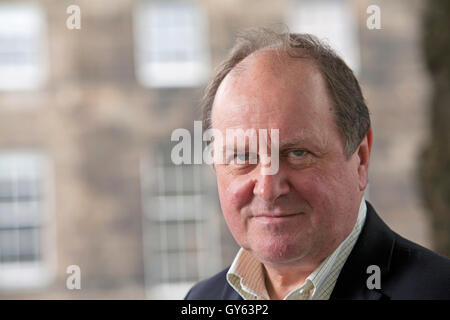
(374, 247)
(229, 293)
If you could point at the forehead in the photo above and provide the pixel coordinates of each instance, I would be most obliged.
(270, 90)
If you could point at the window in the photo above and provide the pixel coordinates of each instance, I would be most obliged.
(170, 39)
(329, 20)
(22, 43)
(24, 220)
(181, 227)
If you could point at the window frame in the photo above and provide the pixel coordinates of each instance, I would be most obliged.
(346, 27)
(165, 287)
(25, 275)
(25, 76)
(172, 73)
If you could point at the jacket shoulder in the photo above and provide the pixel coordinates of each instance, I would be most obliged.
(407, 270)
(213, 288)
(419, 273)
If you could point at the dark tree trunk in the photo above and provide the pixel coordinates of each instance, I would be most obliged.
(435, 164)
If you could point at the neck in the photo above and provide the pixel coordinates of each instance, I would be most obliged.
(281, 281)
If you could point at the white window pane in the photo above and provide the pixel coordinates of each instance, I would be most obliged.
(22, 46)
(17, 165)
(171, 43)
(177, 179)
(330, 20)
(20, 214)
(181, 240)
(19, 245)
(181, 224)
(20, 205)
(23, 212)
(174, 262)
(191, 267)
(9, 245)
(182, 268)
(6, 190)
(29, 243)
(177, 208)
(27, 189)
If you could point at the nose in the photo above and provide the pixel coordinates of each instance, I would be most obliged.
(271, 187)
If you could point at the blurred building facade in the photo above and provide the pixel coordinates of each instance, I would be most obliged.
(86, 117)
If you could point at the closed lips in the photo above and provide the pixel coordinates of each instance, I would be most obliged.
(277, 215)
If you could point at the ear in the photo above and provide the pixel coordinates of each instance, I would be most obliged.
(363, 155)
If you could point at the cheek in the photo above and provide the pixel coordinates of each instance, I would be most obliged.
(328, 193)
(333, 178)
(235, 192)
(313, 186)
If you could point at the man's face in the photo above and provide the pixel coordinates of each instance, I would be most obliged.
(300, 214)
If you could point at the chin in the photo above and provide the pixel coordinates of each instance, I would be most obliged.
(279, 251)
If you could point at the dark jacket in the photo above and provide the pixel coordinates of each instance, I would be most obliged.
(408, 271)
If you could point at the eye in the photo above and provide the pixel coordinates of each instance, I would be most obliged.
(298, 153)
(246, 158)
(241, 157)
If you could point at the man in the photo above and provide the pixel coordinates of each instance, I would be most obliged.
(306, 231)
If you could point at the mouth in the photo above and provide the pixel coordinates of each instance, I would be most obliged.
(276, 217)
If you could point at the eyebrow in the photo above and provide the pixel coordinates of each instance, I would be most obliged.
(282, 146)
(302, 137)
(293, 143)
(233, 147)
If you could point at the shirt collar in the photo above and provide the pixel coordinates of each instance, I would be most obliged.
(246, 274)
